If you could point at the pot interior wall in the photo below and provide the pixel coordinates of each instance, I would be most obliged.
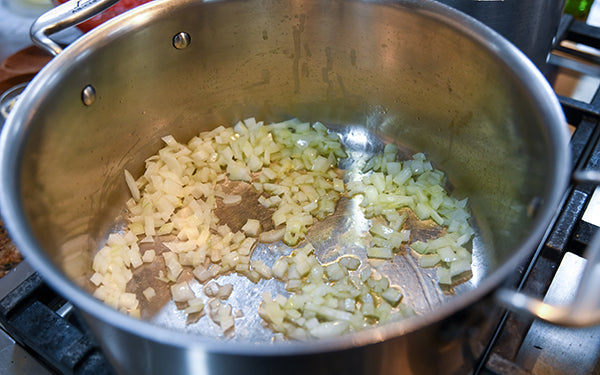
(395, 71)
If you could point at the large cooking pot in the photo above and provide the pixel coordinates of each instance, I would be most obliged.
(417, 73)
(530, 25)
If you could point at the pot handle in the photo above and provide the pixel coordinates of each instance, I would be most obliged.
(584, 309)
(63, 16)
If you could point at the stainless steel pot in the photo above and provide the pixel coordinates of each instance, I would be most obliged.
(413, 72)
(530, 25)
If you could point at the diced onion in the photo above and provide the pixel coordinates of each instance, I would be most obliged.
(195, 305)
(293, 166)
(133, 188)
(148, 256)
(182, 292)
(252, 227)
(272, 236)
(230, 200)
(149, 293)
(341, 302)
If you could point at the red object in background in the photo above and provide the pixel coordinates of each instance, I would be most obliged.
(120, 7)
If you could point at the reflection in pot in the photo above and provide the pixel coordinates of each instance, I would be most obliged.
(9, 98)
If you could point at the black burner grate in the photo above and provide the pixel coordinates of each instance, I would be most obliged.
(42, 322)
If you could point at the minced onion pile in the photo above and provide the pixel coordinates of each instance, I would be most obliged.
(294, 168)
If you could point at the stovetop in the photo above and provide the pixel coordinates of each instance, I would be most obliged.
(41, 333)
(51, 338)
(522, 345)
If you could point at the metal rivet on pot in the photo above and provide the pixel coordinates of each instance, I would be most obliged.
(182, 40)
(88, 95)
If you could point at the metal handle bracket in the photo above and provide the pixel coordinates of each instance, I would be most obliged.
(584, 309)
(63, 16)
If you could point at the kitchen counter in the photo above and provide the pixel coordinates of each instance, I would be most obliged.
(9, 255)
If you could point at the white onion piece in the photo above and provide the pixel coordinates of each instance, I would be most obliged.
(272, 236)
(195, 305)
(230, 200)
(149, 293)
(211, 289)
(132, 185)
(96, 278)
(148, 256)
(224, 292)
(182, 292)
(252, 227)
(128, 301)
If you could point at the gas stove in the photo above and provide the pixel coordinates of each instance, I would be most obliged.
(41, 332)
(521, 345)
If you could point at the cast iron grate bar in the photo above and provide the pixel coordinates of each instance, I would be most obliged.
(559, 238)
(581, 32)
(576, 109)
(580, 140)
(28, 314)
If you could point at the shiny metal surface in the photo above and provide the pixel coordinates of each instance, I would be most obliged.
(549, 349)
(592, 213)
(587, 177)
(88, 95)
(531, 25)
(584, 309)
(62, 17)
(14, 360)
(181, 40)
(470, 100)
(8, 100)
(15, 277)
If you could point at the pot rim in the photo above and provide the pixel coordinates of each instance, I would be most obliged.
(14, 136)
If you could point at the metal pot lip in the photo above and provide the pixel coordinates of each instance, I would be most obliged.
(14, 135)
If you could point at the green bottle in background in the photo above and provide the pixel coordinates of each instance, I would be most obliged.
(578, 8)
